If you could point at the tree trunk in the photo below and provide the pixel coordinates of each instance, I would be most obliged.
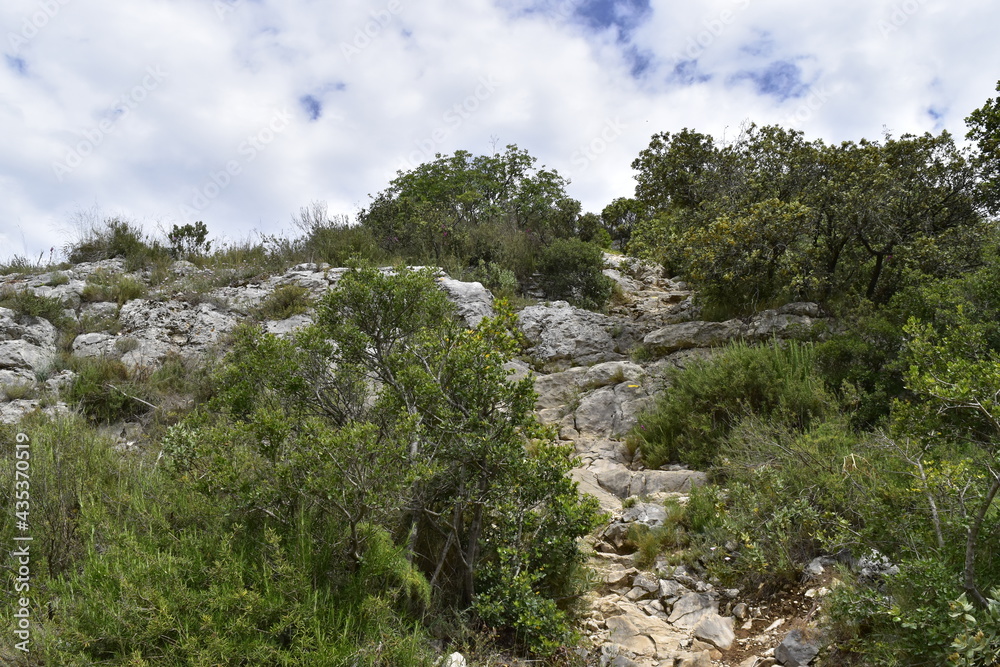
(876, 274)
(970, 545)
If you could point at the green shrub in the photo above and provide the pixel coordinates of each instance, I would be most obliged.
(978, 645)
(500, 281)
(18, 264)
(56, 279)
(902, 620)
(189, 240)
(284, 302)
(571, 269)
(703, 402)
(27, 304)
(113, 238)
(119, 288)
(105, 391)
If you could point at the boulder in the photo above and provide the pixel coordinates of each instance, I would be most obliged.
(611, 373)
(798, 648)
(689, 611)
(473, 301)
(717, 631)
(562, 336)
(599, 413)
(34, 330)
(648, 514)
(686, 335)
(20, 355)
(647, 482)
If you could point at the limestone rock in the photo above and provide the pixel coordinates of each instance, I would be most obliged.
(34, 330)
(20, 355)
(611, 373)
(674, 337)
(599, 413)
(473, 301)
(798, 648)
(717, 631)
(646, 513)
(455, 660)
(563, 336)
(691, 609)
(559, 389)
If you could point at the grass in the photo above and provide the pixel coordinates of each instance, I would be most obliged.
(19, 391)
(28, 304)
(118, 288)
(284, 302)
(105, 391)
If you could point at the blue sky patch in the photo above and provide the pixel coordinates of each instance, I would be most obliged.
(781, 79)
(621, 14)
(686, 73)
(17, 64)
(312, 106)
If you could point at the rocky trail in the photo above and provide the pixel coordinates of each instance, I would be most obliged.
(663, 616)
(594, 374)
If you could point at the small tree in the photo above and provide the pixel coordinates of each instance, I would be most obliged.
(571, 269)
(189, 240)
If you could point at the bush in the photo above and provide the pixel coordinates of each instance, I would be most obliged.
(189, 240)
(702, 404)
(284, 302)
(105, 392)
(572, 270)
(113, 238)
(120, 288)
(26, 303)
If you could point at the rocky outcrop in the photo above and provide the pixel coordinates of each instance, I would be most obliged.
(562, 336)
(795, 320)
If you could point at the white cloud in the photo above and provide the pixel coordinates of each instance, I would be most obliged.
(393, 81)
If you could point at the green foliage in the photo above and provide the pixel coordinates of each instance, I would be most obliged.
(115, 237)
(188, 240)
(773, 217)
(902, 620)
(500, 281)
(333, 239)
(621, 217)
(25, 303)
(284, 302)
(460, 210)
(57, 278)
(978, 645)
(705, 401)
(119, 288)
(571, 269)
(105, 391)
(984, 129)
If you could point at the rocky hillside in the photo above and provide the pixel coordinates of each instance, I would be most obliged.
(594, 373)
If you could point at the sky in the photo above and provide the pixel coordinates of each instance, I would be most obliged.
(240, 112)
